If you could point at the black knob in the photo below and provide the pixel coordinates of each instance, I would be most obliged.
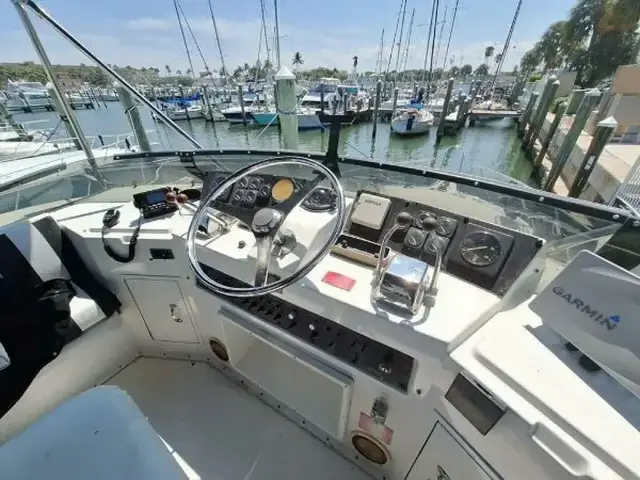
(429, 224)
(404, 219)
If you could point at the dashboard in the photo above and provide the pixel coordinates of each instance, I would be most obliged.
(487, 255)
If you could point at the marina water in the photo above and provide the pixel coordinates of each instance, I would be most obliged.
(491, 150)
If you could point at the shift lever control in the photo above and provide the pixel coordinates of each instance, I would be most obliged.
(430, 224)
(403, 222)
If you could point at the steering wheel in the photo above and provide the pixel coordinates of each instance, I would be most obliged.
(265, 224)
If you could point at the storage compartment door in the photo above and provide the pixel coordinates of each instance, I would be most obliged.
(444, 458)
(163, 309)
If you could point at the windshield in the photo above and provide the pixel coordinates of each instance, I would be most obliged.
(517, 207)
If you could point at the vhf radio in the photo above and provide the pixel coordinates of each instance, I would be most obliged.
(154, 203)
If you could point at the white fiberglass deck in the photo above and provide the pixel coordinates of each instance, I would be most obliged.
(222, 432)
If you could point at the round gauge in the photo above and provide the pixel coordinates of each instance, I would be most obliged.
(480, 249)
(265, 191)
(446, 226)
(415, 238)
(254, 183)
(282, 189)
(435, 243)
(320, 199)
(238, 196)
(250, 197)
(243, 182)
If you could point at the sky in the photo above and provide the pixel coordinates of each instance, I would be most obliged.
(145, 33)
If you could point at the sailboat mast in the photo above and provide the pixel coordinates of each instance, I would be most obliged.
(453, 23)
(433, 45)
(426, 50)
(380, 50)
(393, 42)
(264, 30)
(184, 38)
(215, 31)
(404, 14)
(406, 51)
(506, 44)
(275, 14)
(444, 20)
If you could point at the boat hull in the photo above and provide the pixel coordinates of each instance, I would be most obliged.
(402, 127)
(235, 118)
(181, 114)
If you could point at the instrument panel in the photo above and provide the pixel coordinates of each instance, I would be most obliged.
(489, 256)
(260, 191)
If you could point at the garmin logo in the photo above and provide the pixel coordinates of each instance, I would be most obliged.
(608, 321)
(371, 201)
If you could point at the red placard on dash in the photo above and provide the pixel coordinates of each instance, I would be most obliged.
(339, 280)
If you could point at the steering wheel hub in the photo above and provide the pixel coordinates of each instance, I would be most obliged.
(265, 220)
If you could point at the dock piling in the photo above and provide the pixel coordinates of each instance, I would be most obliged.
(133, 115)
(207, 102)
(376, 108)
(322, 98)
(601, 136)
(445, 110)
(184, 102)
(552, 130)
(582, 115)
(549, 92)
(241, 102)
(395, 101)
(288, 116)
(526, 114)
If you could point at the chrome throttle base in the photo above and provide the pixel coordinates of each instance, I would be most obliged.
(402, 282)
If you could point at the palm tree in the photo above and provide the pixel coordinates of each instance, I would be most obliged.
(552, 46)
(168, 69)
(355, 61)
(482, 70)
(466, 70)
(266, 68)
(531, 59)
(297, 59)
(178, 72)
(188, 72)
(488, 53)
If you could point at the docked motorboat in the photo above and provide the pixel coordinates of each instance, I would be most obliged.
(308, 119)
(213, 115)
(189, 112)
(411, 120)
(234, 115)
